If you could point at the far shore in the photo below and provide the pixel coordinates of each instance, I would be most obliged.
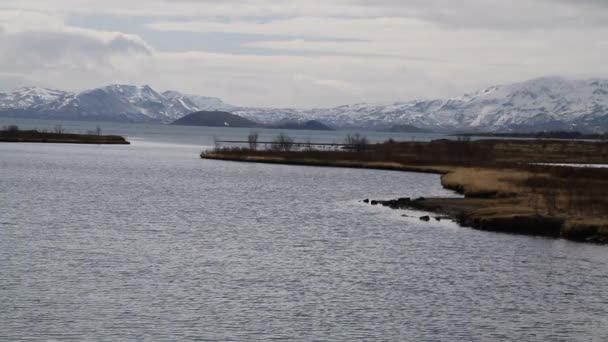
(15, 135)
(502, 191)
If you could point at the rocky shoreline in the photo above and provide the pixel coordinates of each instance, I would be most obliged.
(463, 212)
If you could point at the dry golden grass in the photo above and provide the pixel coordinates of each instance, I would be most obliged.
(502, 210)
(485, 180)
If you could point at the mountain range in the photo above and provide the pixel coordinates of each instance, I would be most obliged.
(549, 103)
(114, 103)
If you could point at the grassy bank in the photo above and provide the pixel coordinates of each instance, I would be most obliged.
(503, 191)
(15, 135)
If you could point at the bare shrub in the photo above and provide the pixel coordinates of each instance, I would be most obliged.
(283, 143)
(356, 142)
(308, 145)
(252, 139)
(10, 128)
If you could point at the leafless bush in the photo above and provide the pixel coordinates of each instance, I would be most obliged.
(10, 128)
(252, 139)
(308, 145)
(356, 142)
(283, 143)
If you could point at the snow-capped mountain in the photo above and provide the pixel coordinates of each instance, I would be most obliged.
(114, 102)
(549, 103)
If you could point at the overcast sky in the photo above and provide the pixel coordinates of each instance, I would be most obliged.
(303, 53)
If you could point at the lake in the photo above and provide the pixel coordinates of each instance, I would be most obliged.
(149, 242)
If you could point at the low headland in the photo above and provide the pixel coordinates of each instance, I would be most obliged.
(504, 189)
(226, 119)
(15, 135)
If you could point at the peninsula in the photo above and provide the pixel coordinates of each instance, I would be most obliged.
(503, 187)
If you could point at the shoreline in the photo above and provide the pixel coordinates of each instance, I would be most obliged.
(491, 210)
(383, 166)
(33, 136)
(63, 141)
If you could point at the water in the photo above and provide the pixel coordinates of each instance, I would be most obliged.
(205, 136)
(592, 166)
(149, 242)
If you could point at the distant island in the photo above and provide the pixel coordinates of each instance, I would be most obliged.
(15, 135)
(226, 119)
(406, 129)
(215, 119)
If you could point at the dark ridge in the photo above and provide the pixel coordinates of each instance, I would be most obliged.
(215, 119)
(311, 125)
(406, 129)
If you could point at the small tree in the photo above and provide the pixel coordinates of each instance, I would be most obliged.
(216, 144)
(11, 128)
(252, 139)
(58, 129)
(464, 138)
(356, 142)
(283, 142)
(308, 145)
(98, 130)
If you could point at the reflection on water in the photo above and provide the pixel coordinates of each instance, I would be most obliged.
(148, 242)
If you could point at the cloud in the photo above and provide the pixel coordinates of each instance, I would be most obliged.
(301, 52)
(305, 27)
(285, 81)
(424, 44)
(481, 14)
(35, 45)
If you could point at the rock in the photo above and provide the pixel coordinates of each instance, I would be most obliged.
(403, 201)
(437, 218)
(392, 204)
(374, 202)
(425, 218)
(366, 200)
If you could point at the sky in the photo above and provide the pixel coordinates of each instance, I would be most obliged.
(300, 53)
